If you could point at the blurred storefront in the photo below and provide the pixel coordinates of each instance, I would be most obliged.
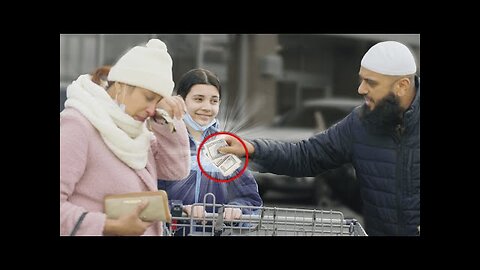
(266, 74)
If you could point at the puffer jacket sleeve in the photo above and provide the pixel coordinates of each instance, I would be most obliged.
(171, 151)
(326, 150)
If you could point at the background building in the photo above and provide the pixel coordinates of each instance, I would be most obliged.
(263, 75)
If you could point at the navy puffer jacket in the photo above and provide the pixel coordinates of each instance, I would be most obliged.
(388, 167)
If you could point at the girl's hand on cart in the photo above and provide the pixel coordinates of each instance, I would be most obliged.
(196, 211)
(232, 213)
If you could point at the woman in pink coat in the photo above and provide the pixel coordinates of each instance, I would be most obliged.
(113, 142)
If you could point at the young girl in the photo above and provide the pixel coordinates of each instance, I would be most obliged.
(201, 91)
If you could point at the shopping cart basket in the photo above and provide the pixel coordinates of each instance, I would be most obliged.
(263, 221)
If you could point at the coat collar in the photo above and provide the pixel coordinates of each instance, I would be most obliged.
(412, 114)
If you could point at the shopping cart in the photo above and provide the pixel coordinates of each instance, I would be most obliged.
(262, 221)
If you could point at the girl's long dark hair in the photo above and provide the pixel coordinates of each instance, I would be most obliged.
(197, 76)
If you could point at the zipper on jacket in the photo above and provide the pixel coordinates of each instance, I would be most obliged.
(398, 137)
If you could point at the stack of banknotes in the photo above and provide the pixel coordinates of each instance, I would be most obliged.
(226, 163)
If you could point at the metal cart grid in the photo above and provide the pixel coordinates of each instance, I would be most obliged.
(264, 221)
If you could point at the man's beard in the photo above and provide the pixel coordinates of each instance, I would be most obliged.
(384, 118)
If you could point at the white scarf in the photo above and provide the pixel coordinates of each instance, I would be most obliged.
(128, 138)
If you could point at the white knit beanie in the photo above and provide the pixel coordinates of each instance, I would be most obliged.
(148, 67)
(390, 58)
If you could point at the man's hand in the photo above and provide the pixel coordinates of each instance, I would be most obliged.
(235, 147)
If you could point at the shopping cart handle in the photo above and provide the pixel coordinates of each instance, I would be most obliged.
(218, 227)
(349, 221)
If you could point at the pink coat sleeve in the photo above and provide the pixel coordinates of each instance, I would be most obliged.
(171, 151)
(73, 161)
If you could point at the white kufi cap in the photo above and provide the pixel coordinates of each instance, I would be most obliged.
(390, 58)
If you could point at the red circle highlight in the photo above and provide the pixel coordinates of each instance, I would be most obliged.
(216, 179)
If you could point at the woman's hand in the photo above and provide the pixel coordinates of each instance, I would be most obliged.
(128, 224)
(174, 106)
